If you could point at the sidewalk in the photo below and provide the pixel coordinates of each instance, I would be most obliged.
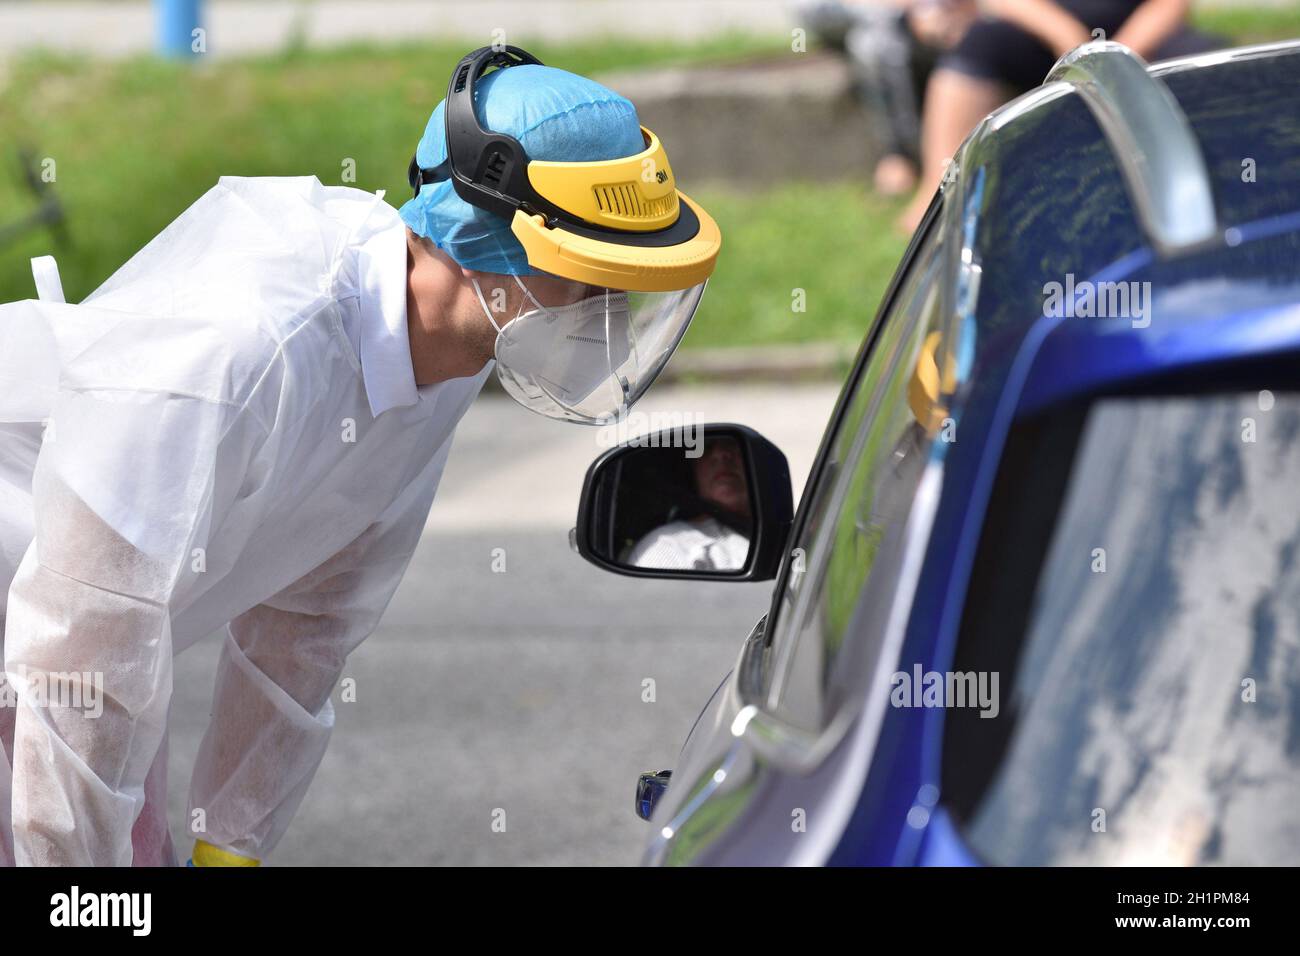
(240, 27)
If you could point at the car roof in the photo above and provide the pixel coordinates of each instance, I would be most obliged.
(1043, 198)
(1240, 107)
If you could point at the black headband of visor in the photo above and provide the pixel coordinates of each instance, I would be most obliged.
(490, 170)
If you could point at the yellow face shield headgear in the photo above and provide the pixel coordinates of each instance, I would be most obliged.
(619, 227)
(620, 223)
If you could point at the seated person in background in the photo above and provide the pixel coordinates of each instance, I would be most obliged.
(1012, 48)
(892, 46)
(708, 541)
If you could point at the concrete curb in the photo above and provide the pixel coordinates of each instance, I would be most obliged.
(767, 120)
(806, 362)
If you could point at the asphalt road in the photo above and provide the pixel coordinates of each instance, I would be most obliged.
(517, 691)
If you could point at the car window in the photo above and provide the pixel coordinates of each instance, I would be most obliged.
(1144, 624)
(851, 540)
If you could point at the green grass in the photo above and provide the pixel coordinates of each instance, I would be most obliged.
(135, 142)
(1250, 24)
(836, 242)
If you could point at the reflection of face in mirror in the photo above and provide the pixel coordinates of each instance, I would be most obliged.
(720, 476)
(707, 527)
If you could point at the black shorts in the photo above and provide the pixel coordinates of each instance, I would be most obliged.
(997, 50)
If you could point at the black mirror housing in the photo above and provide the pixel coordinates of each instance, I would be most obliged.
(711, 502)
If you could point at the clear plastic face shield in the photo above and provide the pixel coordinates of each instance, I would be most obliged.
(590, 360)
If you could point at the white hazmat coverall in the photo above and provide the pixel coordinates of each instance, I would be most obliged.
(227, 435)
(704, 545)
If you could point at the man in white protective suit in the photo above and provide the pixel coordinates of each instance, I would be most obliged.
(242, 430)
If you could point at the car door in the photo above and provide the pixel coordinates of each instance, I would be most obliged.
(759, 774)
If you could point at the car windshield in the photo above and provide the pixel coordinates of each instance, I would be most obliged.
(1138, 590)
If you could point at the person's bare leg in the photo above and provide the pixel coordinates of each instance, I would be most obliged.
(895, 175)
(954, 103)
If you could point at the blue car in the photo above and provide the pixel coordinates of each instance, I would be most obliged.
(1040, 602)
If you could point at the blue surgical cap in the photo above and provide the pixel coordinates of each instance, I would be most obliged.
(557, 116)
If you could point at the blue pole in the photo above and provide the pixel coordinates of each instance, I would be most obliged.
(177, 20)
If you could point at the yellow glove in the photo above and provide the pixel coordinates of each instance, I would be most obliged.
(205, 854)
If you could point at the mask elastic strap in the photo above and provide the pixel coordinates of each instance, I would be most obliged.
(520, 282)
(483, 302)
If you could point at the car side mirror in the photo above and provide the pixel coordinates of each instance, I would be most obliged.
(709, 502)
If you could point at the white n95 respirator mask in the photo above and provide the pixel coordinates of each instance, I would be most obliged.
(591, 360)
